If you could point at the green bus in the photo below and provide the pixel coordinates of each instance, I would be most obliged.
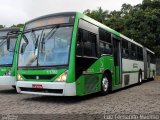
(70, 54)
(8, 55)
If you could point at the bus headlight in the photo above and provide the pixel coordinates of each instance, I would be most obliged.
(62, 77)
(19, 77)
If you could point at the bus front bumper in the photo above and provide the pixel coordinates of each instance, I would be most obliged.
(46, 88)
(7, 80)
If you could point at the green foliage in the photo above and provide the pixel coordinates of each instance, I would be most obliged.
(1, 26)
(140, 22)
(19, 25)
(98, 15)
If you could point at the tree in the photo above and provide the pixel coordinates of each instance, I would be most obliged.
(18, 25)
(126, 8)
(99, 14)
(1, 26)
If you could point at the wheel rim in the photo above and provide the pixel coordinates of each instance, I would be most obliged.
(105, 84)
(140, 79)
(153, 76)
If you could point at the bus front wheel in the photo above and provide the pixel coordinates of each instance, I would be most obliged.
(140, 78)
(14, 87)
(105, 84)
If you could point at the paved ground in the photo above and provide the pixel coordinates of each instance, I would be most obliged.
(137, 99)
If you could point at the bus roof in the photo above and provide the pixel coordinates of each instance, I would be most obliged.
(9, 29)
(130, 40)
(5, 31)
(150, 51)
(55, 14)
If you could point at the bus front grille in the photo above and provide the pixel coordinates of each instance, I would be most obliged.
(39, 77)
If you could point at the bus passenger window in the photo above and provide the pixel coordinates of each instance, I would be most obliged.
(105, 45)
(86, 44)
(153, 58)
(105, 48)
(86, 51)
(125, 50)
(79, 43)
(139, 53)
(133, 51)
(108, 37)
(89, 44)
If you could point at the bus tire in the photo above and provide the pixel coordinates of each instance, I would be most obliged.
(14, 87)
(105, 84)
(140, 78)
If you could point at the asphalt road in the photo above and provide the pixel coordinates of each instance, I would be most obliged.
(137, 99)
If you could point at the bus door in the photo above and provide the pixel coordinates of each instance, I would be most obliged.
(117, 61)
(145, 57)
(148, 65)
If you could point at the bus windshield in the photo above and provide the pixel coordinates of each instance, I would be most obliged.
(6, 55)
(45, 47)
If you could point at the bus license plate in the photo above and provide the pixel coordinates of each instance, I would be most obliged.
(37, 86)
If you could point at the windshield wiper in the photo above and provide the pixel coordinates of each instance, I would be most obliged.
(25, 38)
(35, 47)
(35, 41)
(36, 44)
(50, 34)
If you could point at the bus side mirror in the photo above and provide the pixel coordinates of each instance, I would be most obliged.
(23, 47)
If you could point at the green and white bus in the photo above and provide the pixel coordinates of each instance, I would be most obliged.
(8, 55)
(70, 54)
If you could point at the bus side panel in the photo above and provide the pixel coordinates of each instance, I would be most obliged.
(90, 80)
(131, 71)
(150, 66)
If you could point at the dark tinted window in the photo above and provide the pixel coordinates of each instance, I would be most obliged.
(125, 49)
(139, 53)
(108, 37)
(89, 45)
(79, 50)
(153, 58)
(133, 51)
(105, 45)
(86, 43)
(102, 35)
